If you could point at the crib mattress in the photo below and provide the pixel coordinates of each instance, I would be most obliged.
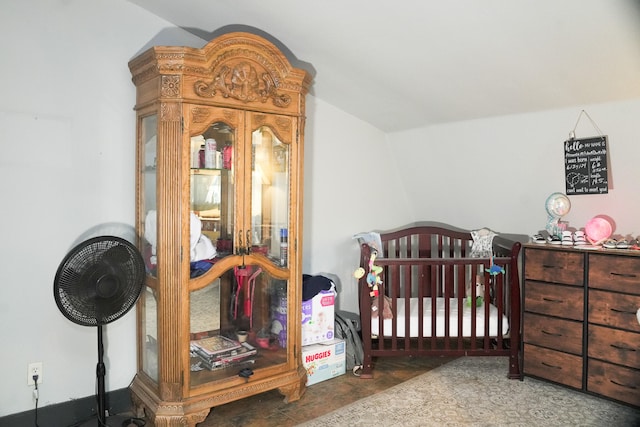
(399, 318)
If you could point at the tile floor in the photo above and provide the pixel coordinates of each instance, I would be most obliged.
(269, 410)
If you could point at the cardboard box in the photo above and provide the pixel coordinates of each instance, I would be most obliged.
(318, 317)
(324, 361)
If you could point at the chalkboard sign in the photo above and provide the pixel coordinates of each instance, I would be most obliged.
(585, 164)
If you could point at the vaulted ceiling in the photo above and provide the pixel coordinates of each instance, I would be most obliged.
(411, 63)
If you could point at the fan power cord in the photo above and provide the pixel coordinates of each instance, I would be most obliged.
(36, 395)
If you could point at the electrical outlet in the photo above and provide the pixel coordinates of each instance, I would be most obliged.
(35, 368)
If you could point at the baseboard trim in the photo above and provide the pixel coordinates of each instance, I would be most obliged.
(72, 413)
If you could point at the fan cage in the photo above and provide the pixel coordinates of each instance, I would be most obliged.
(99, 281)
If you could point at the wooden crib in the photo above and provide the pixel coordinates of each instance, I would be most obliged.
(432, 283)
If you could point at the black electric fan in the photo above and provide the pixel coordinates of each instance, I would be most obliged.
(98, 282)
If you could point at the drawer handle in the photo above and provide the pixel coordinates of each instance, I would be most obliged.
(549, 266)
(631, 276)
(632, 387)
(552, 300)
(551, 333)
(551, 366)
(615, 310)
(617, 347)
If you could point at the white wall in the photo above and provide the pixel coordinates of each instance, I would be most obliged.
(498, 172)
(66, 165)
(349, 185)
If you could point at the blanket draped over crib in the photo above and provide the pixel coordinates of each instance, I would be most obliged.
(430, 289)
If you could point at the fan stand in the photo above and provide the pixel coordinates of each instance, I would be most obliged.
(97, 282)
(102, 420)
(100, 375)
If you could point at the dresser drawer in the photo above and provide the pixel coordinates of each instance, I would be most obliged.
(613, 381)
(554, 300)
(616, 273)
(554, 266)
(558, 334)
(614, 345)
(553, 365)
(615, 310)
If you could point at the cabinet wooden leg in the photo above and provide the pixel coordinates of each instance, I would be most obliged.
(197, 417)
(294, 391)
(138, 406)
(189, 420)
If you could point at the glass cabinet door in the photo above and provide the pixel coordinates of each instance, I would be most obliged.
(240, 201)
(270, 195)
(148, 136)
(242, 205)
(247, 333)
(147, 304)
(212, 196)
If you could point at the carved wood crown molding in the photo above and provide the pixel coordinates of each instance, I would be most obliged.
(243, 82)
(154, 63)
(248, 73)
(170, 86)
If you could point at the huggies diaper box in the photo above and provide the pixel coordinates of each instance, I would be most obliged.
(324, 360)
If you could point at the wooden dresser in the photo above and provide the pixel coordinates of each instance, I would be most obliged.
(579, 324)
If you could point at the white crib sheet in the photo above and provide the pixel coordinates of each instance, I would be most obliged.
(399, 318)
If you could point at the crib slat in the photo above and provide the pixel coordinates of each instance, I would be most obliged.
(499, 302)
(395, 274)
(408, 293)
(434, 309)
(448, 285)
(422, 275)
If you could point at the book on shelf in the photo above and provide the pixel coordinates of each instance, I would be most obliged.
(215, 345)
(233, 357)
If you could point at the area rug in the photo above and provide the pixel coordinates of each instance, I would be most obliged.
(475, 391)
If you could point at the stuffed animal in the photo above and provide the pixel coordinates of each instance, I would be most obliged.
(479, 292)
(494, 269)
(373, 279)
(386, 308)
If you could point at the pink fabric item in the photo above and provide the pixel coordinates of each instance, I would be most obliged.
(597, 230)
